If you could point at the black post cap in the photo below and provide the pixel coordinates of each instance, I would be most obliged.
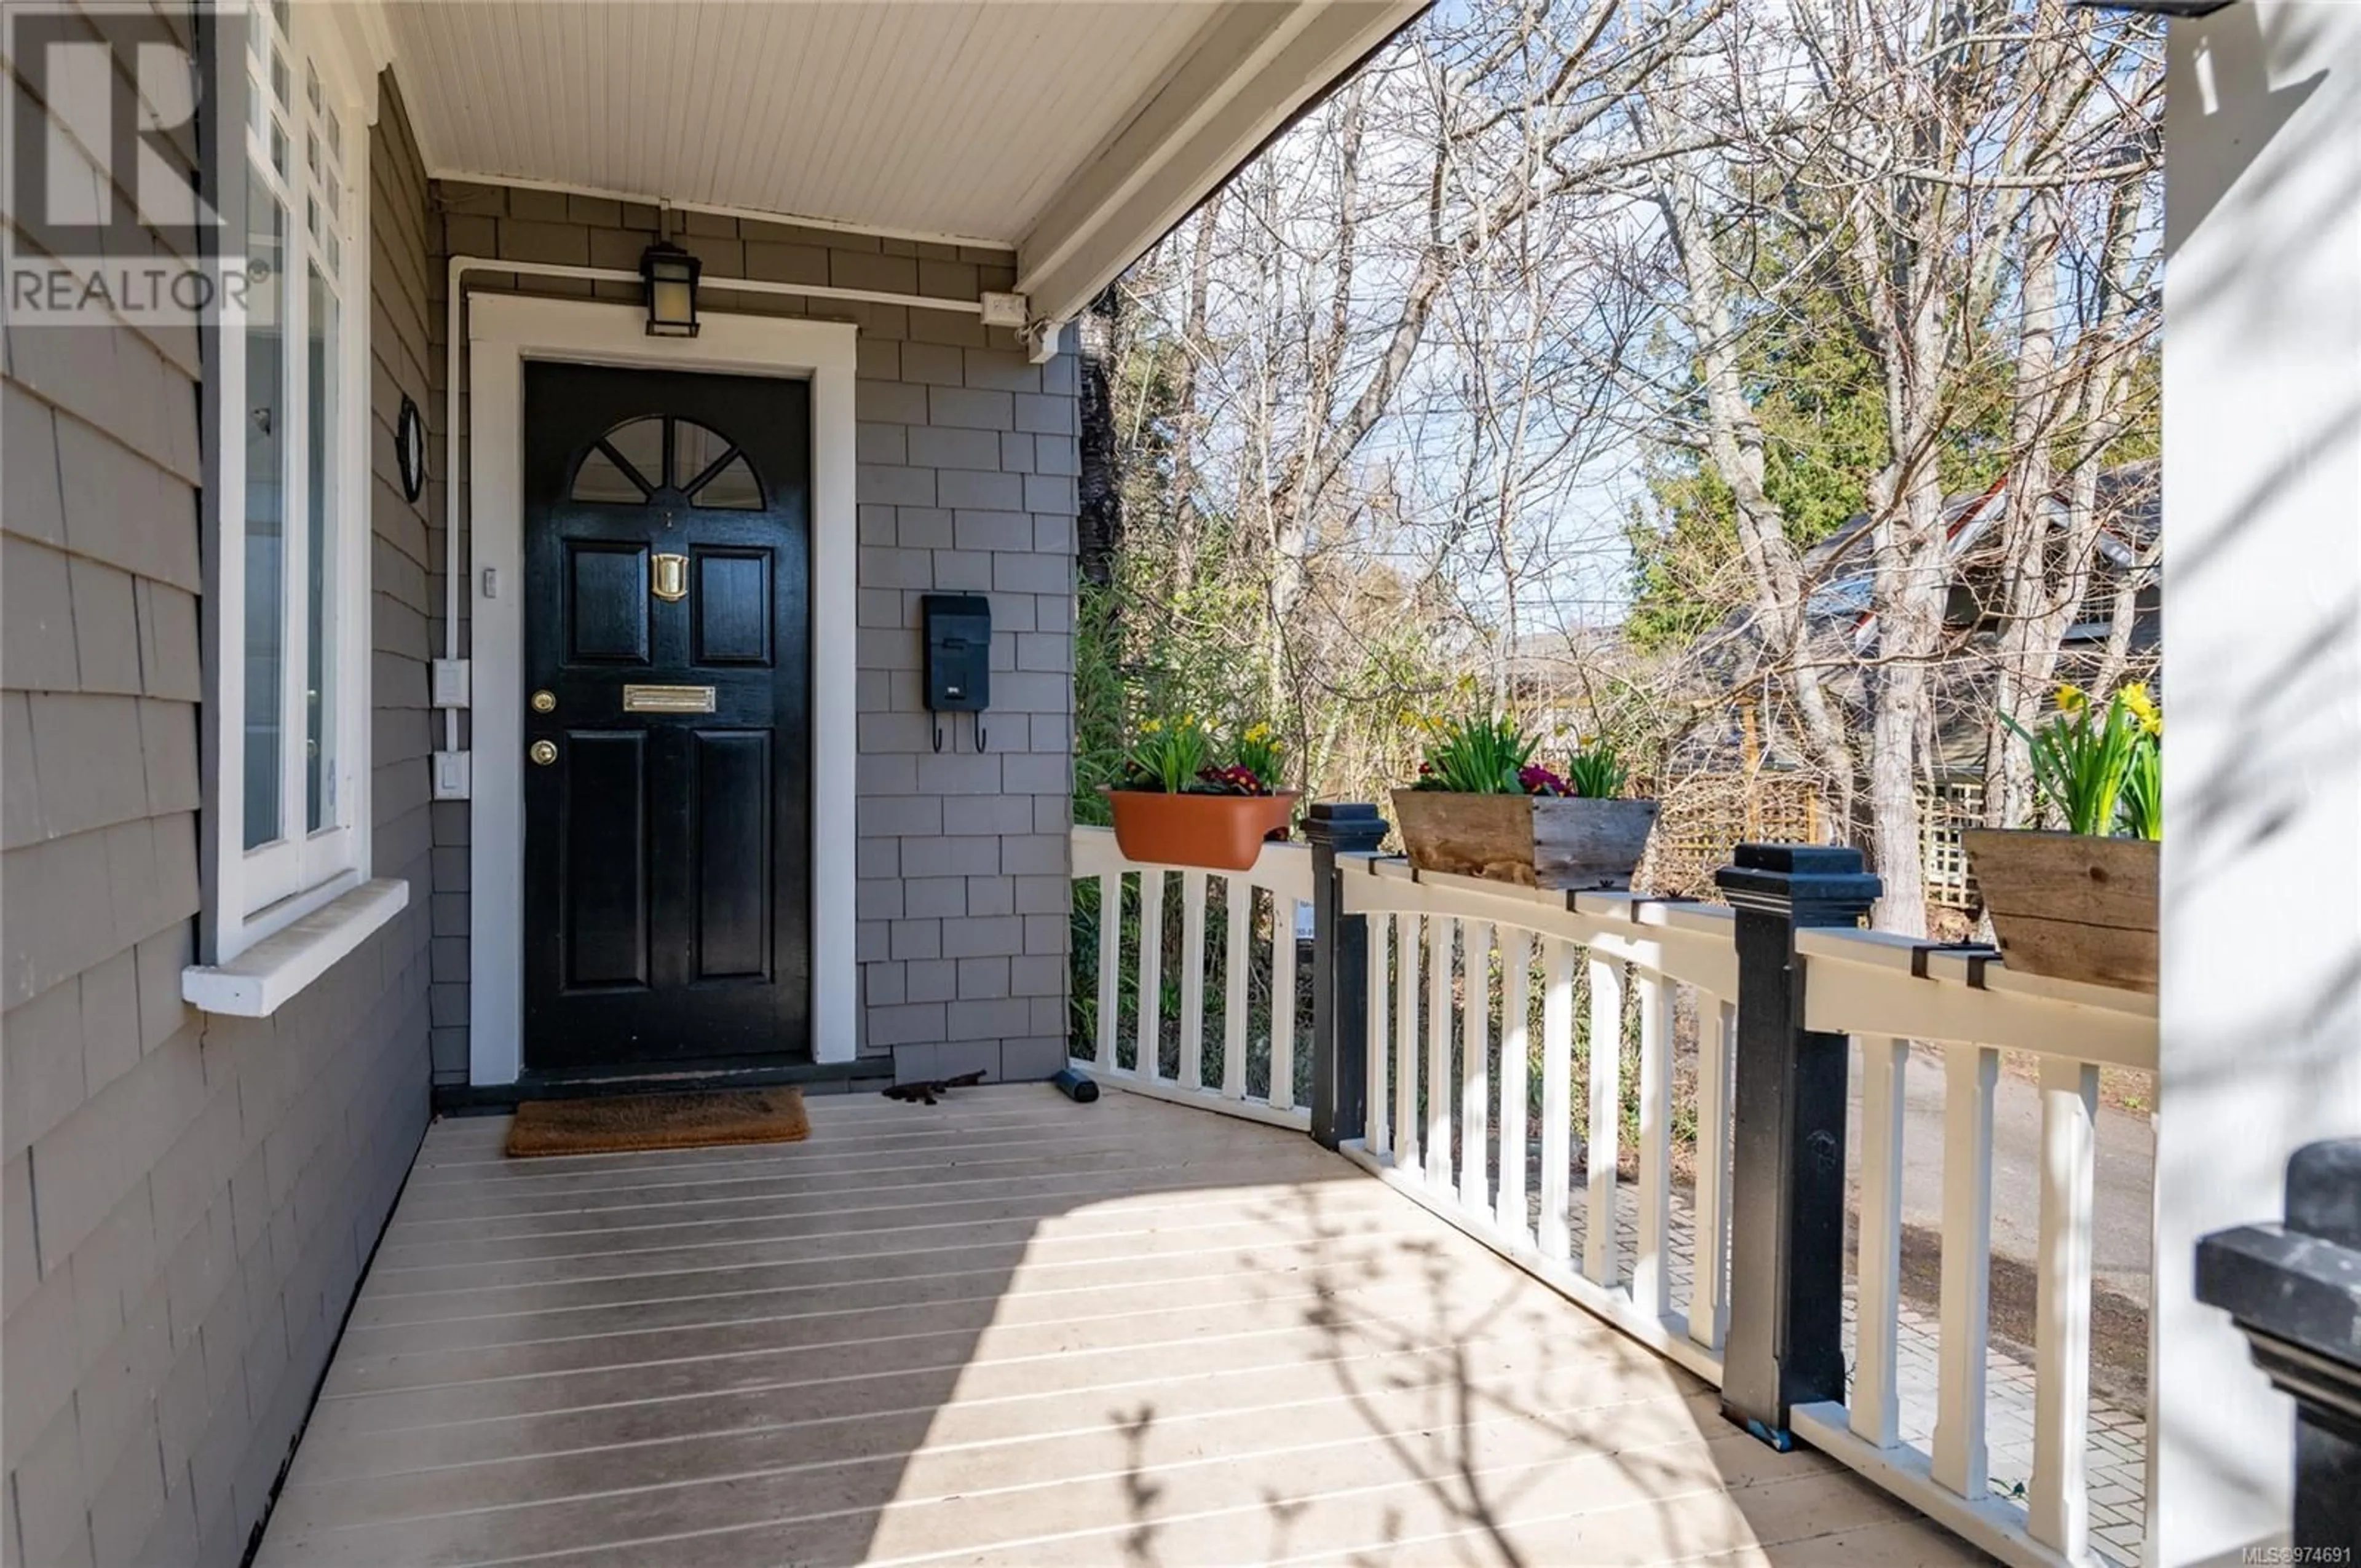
(2299, 1281)
(2294, 1291)
(1781, 876)
(1343, 824)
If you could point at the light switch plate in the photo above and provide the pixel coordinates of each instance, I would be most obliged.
(453, 771)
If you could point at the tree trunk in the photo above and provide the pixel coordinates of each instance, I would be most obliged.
(1098, 526)
(1735, 441)
(1911, 581)
(1186, 418)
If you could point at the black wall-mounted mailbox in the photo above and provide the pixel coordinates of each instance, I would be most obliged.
(959, 652)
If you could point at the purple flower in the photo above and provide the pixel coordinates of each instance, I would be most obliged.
(1235, 779)
(1539, 780)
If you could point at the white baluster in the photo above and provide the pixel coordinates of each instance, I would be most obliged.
(1150, 1062)
(1557, 1094)
(1110, 965)
(1885, 1078)
(1600, 1256)
(1282, 1002)
(2058, 1502)
(1960, 1455)
(1193, 980)
(1709, 1282)
(1439, 932)
(1474, 1071)
(1650, 1279)
(1237, 902)
(1516, 975)
(1375, 1136)
(1405, 1127)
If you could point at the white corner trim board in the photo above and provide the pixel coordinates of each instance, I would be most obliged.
(259, 981)
(505, 331)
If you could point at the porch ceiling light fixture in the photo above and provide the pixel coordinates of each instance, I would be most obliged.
(670, 275)
(2157, 7)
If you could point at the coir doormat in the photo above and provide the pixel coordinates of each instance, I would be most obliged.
(621, 1122)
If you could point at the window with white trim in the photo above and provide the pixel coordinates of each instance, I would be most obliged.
(290, 820)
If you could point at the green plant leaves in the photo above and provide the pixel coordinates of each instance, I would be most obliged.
(1478, 754)
(2100, 768)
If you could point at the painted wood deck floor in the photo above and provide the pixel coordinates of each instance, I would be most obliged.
(1006, 1329)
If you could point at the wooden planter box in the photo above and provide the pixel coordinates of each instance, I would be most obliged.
(1554, 841)
(1217, 832)
(2068, 906)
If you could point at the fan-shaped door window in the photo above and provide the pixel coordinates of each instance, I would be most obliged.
(642, 459)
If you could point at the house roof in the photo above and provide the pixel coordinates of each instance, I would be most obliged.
(1839, 570)
(1074, 133)
(1838, 573)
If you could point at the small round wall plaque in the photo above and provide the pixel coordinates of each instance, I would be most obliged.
(409, 450)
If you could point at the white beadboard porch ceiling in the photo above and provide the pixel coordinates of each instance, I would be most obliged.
(1007, 122)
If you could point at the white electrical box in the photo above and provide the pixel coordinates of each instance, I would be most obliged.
(1006, 310)
(452, 772)
(450, 683)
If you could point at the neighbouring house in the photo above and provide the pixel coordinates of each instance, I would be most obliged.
(433, 676)
(1734, 756)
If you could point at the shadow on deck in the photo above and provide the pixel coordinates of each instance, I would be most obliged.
(1006, 1329)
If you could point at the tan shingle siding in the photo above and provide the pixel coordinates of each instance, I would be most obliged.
(189, 1201)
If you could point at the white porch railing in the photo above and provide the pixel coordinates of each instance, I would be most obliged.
(1472, 992)
(1886, 991)
(1284, 873)
(1462, 1130)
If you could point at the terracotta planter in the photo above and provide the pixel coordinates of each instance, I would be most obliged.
(1218, 832)
(1554, 841)
(2068, 906)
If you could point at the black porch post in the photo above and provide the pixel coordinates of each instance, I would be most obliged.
(1786, 1251)
(1340, 973)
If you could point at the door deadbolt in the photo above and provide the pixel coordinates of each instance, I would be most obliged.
(545, 702)
(544, 753)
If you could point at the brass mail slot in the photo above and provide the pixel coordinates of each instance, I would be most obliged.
(667, 700)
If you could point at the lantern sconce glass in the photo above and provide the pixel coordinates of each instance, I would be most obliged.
(670, 275)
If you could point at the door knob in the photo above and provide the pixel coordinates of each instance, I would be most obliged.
(544, 753)
(545, 701)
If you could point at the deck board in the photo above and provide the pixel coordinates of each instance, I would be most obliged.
(1006, 1329)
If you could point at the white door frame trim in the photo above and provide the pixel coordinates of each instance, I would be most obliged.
(506, 330)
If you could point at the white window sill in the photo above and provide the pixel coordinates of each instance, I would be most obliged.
(259, 981)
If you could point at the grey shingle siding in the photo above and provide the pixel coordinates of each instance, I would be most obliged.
(965, 454)
(189, 1201)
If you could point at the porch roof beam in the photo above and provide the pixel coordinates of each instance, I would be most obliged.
(1253, 69)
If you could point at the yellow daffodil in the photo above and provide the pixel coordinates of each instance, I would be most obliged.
(1153, 727)
(2143, 707)
(1258, 732)
(2071, 698)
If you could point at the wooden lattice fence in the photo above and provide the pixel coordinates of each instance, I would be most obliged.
(1706, 816)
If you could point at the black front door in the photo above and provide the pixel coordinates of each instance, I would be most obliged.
(666, 672)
